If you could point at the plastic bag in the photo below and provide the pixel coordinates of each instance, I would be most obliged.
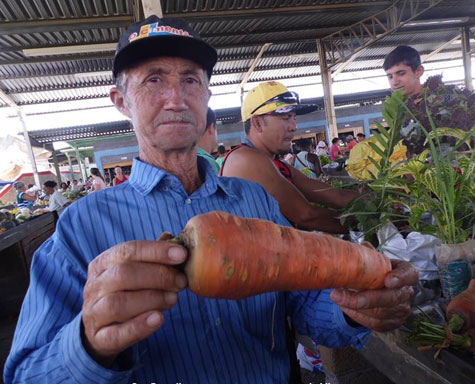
(416, 248)
(456, 265)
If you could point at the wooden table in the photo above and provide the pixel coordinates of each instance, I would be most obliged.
(17, 246)
(401, 362)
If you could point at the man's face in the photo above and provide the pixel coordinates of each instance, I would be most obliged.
(167, 99)
(402, 77)
(118, 171)
(48, 190)
(277, 132)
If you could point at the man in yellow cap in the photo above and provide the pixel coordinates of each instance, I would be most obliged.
(268, 113)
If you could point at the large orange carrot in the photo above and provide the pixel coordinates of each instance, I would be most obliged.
(463, 305)
(233, 257)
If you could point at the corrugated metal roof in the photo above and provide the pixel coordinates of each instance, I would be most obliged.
(81, 132)
(237, 28)
(51, 9)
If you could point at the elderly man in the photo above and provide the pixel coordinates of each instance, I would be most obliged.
(106, 303)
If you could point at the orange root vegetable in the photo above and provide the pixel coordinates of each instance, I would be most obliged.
(233, 257)
(463, 305)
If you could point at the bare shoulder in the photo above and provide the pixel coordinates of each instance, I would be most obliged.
(245, 160)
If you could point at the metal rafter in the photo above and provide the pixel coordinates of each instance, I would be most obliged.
(59, 25)
(246, 13)
(248, 74)
(425, 58)
(341, 45)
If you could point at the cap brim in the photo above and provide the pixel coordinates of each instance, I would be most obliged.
(299, 109)
(167, 45)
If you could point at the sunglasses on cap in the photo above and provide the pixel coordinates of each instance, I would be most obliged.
(286, 98)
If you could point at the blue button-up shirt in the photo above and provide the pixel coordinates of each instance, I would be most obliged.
(202, 340)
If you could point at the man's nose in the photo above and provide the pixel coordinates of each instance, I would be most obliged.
(293, 125)
(174, 96)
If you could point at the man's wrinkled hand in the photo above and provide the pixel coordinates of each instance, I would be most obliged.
(127, 289)
(382, 309)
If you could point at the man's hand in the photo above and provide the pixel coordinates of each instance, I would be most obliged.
(127, 289)
(383, 309)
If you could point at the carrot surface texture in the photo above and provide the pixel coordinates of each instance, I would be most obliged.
(233, 257)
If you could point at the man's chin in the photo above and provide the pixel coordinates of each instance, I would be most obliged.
(283, 151)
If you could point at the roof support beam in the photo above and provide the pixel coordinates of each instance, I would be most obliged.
(152, 7)
(467, 59)
(342, 44)
(342, 67)
(329, 104)
(22, 118)
(251, 68)
(425, 58)
(60, 25)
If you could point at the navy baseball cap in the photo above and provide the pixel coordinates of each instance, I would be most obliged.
(154, 37)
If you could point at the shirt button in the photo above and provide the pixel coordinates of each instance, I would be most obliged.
(188, 201)
(218, 321)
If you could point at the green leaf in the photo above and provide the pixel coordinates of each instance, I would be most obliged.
(378, 150)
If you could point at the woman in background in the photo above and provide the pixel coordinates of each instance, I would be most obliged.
(97, 180)
(119, 176)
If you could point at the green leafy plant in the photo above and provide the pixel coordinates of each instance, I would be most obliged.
(431, 192)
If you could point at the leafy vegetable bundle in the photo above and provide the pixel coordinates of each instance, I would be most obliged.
(458, 332)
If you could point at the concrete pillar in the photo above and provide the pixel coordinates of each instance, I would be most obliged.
(56, 167)
(327, 92)
(78, 158)
(467, 60)
(367, 130)
(22, 118)
(70, 163)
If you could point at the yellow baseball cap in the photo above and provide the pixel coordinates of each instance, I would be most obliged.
(272, 97)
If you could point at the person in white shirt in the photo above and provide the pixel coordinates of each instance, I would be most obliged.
(322, 149)
(57, 202)
(98, 181)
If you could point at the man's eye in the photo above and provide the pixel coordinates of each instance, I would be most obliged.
(153, 79)
(191, 80)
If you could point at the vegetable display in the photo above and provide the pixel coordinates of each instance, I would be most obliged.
(233, 257)
(458, 332)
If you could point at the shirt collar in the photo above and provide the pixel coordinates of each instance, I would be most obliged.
(145, 177)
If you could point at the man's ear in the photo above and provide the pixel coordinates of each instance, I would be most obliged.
(256, 121)
(118, 99)
(420, 71)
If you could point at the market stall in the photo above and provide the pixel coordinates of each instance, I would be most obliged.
(419, 175)
(17, 246)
